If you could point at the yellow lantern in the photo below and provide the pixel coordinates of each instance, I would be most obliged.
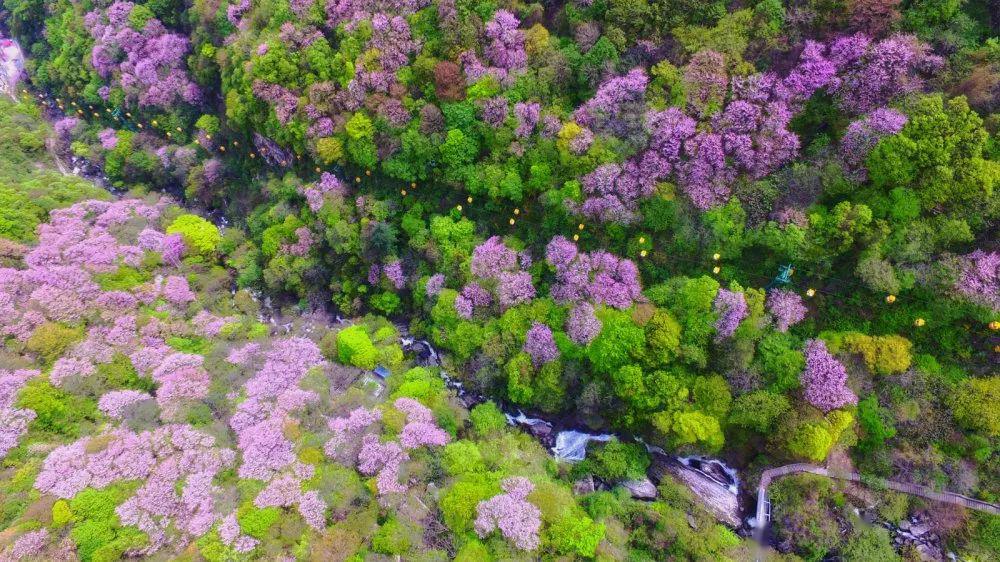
(919, 322)
(642, 253)
(642, 239)
(413, 185)
(368, 172)
(402, 192)
(576, 237)
(154, 122)
(716, 256)
(357, 179)
(517, 211)
(580, 226)
(223, 149)
(810, 292)
(716, 270)
(994, 325)
(459, 208)
(511, 221)
(179, 130)
(468, 199)
(890, 299)
(317, 169)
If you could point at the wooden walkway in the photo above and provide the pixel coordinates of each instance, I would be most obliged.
(764, 504)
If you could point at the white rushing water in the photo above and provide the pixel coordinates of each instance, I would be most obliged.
(571, 444)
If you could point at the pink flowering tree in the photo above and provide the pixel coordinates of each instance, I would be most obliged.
(147, 64)
(540, 345)
(979, 278)
(499, 274)
(731, 306)
(517, 519)
(786, 307)
(598, 277)
(824, 379)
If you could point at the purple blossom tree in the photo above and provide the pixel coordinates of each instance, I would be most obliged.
(979, 278)
(540, 345)
(731, 307)
(582, 325)
(824, 379)
(863, 134)
(518, 519)
(786, 307)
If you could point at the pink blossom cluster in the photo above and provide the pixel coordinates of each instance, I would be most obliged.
(582, 325)
(28, 545)
(328, 185)
(979, 278)
(392, 39)
(420, 429)
(504, 53)
(347, 432)
(13, 421)
(304, 241)
(345, 11)
(434, 284)
(739, 125)
(147, 64)
(273, 394)
(286, 491)
(540, 345)
(496, 267)
(207, 324)
(824, 379)
(731, 306)
(517, 519)
(231, 535)
(57, 284)
(598, 277)
(383, 460)
(176, 464)
(180, 379)
(114, 404)
(863, 134)
(786, 307)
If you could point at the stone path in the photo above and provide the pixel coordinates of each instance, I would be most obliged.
(764, 504)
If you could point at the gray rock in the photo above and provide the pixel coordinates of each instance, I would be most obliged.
(584, 486)
(641, 489)
(905, 524)
(920, 529)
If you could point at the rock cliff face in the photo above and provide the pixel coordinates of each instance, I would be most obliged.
(716, 496)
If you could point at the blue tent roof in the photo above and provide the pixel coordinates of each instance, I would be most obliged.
(381, 371)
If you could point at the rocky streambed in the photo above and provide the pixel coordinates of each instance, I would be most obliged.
(711, 480)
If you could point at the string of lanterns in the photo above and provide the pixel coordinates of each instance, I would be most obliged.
(810, 292)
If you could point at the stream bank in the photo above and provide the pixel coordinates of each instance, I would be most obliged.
(711, 480)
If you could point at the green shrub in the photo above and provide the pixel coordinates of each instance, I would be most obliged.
(256, 522)
(617, 461)
(50, 340)
(200, 236)
(487, 419)
(55, 410)
(392, 538)
(354, 347)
